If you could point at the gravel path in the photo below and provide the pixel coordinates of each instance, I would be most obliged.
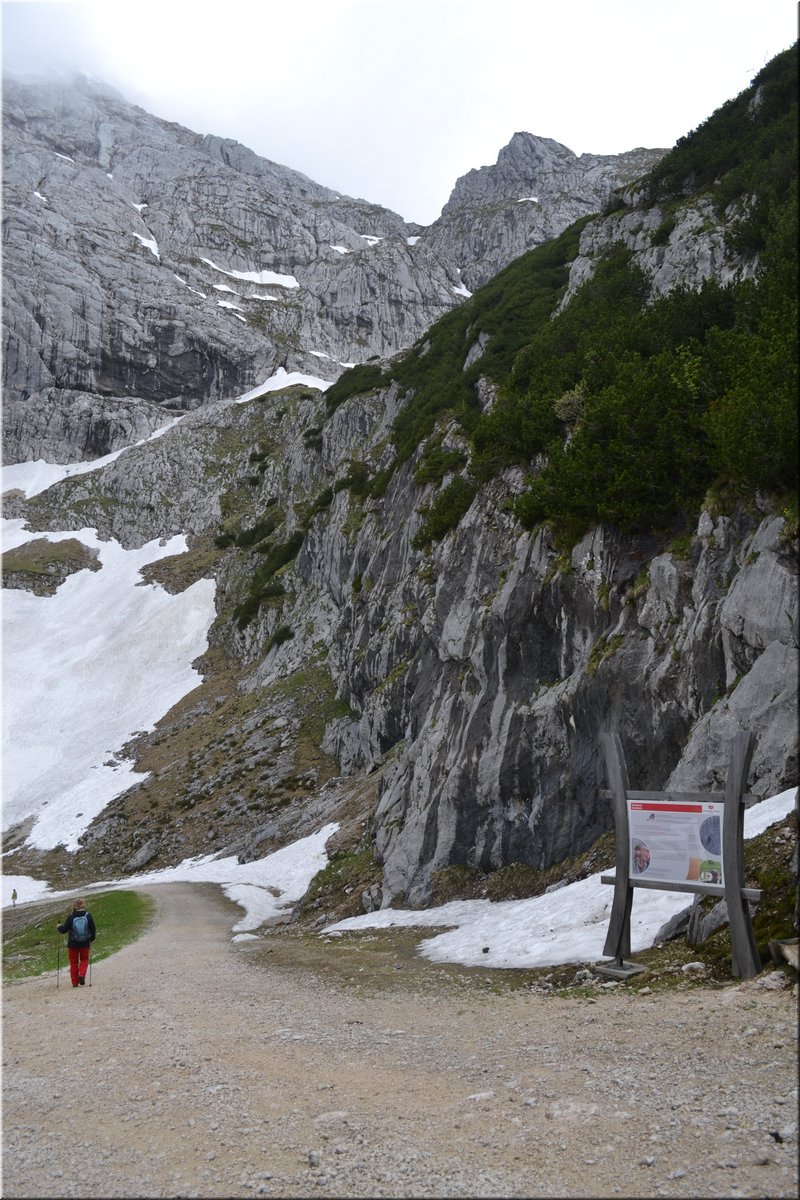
(189, 1070)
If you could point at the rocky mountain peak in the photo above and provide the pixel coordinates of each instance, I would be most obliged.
(527, 166)
(532, 193)
(146, 263)
(150, 266)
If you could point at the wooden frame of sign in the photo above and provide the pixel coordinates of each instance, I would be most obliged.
(746, 959)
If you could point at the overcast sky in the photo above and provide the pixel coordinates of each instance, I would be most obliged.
(393, 100)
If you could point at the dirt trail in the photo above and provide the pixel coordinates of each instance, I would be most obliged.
(187, 1069)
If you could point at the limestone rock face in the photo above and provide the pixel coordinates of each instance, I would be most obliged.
(145, 263)
(149, 268)
(686, 248)
(55, 421)
(534, 191)
(481, 673)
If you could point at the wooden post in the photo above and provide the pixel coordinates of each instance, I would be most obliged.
(746, 961)
(618, 940)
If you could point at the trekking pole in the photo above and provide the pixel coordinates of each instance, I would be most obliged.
(90, 967)
(58, 966)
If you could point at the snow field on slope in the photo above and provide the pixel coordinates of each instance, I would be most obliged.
(85, 669)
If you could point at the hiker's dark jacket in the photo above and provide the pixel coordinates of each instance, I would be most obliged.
(67, 928)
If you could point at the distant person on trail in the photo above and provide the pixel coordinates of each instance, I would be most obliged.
(81, 929)
(14, 898)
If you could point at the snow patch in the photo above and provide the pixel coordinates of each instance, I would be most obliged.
(84, 670)
(565, 926)
(282, 379)
(266, 277)
(150, 243)
(237, 311)
(32, 478)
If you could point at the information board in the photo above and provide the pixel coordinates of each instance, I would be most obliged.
(676, 842)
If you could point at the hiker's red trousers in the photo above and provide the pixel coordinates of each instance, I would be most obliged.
(78, 963)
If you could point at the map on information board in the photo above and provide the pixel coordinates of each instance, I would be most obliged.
(676, 842)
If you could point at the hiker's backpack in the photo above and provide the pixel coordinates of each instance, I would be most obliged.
(80, 927)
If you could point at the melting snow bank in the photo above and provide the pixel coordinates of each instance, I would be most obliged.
(568, 925)
(283, 379)
(264, 889)
(84, 670)
(262, 277)
(31, 478)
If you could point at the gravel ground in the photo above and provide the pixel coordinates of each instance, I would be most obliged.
(189, 1069)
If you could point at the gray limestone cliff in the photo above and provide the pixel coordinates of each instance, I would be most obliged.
(476, 674)
(145, 263)
(535, 190)
(148, 269)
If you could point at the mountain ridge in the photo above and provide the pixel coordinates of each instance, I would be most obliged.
(142, 233)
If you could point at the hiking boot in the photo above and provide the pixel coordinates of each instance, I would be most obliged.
(81, 979)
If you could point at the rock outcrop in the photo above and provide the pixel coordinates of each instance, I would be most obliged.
(535, 190)
(685, 246)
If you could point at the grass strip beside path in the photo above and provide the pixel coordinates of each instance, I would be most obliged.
(30, 940)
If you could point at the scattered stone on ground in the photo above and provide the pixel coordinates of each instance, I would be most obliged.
(197, 1068)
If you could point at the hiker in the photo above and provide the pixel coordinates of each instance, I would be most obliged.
(81, 929)
(14, 898)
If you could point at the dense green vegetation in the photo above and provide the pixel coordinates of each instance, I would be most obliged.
(626, 410)
(630, 410)
(358, 379)
(250, 537)
(744, 149)
(664, 400)
(507, 311)
(446, 510)
(263, 585)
